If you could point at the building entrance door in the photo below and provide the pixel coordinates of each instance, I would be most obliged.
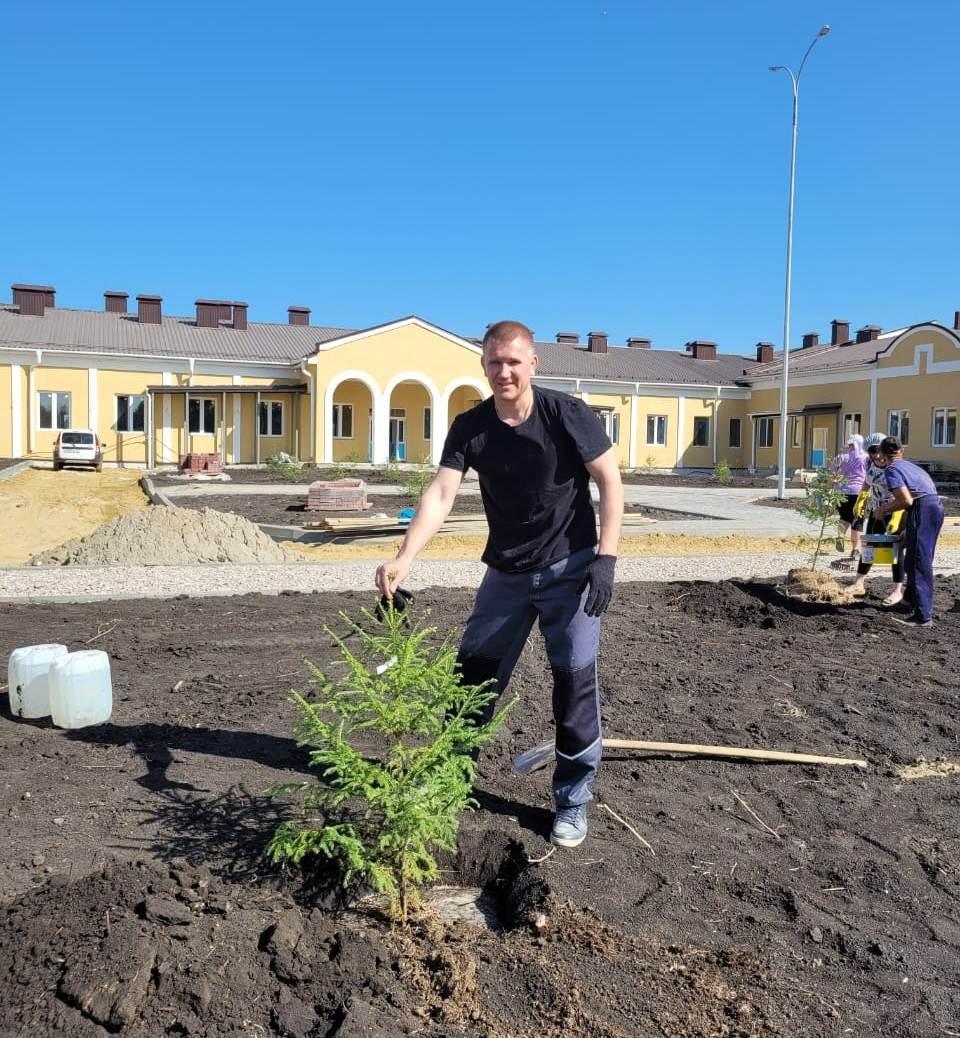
(818, 455)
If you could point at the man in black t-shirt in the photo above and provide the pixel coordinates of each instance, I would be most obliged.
(535, 451)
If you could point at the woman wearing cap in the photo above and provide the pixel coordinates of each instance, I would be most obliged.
(879, 495)
(913, 489)
(852, 469)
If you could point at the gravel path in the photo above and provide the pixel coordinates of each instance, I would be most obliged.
(91, 583)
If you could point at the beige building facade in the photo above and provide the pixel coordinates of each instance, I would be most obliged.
(155, 388)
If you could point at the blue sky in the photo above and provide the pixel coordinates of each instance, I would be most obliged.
(576, 164)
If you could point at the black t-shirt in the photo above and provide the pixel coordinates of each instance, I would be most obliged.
(535, 488)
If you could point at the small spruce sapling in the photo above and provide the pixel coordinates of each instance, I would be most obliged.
(822, 503)
(382, 815)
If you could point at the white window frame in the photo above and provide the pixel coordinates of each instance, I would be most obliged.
(202, 430)
(427, 423)
(945, 411)
(610, 420)
(339, 410)
(796, 431)
(852, 423)
(700, 418)
(271, 403)
(899, 415)
(130, 398)
(739, 442)
(55, 395)
(659, 429)
(764, 423)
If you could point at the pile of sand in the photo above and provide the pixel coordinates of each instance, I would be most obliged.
(168, 537)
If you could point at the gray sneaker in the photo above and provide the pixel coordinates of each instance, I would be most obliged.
(570, 826)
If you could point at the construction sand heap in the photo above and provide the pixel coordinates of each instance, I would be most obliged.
(168, 537)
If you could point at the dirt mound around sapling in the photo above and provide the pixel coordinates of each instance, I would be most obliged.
(813, 586)
(168, 537)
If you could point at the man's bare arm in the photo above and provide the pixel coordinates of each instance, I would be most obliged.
(606, 474)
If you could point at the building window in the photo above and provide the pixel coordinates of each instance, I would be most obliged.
(271, 418)
(852, 421)
(343, 421)
(656, 430)
(898, 424)
(944, 427)
(130, 413)
(796, 431)
(765, 432)
(610, 420)
(203, 415)
(701, 431)
(735, 432)
(54, 410)
(426, 423)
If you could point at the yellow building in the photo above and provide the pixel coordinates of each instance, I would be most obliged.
(155, 387)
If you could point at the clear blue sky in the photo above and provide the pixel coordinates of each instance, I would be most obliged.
(609, 165)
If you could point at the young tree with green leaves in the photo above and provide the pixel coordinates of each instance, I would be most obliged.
(822, 503)
(395, 735)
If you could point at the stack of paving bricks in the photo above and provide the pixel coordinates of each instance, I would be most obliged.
(192, 464)
(340, 495)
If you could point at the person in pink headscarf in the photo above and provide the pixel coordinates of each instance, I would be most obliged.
(851, 466)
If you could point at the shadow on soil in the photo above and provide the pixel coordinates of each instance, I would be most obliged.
(771, 595)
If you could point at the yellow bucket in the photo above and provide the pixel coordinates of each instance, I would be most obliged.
(881, 549)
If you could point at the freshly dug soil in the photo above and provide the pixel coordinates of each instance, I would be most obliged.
(308, 474)
(282, 509)
(168, 537)
(653, 479)
(951, 505)
(845, 919)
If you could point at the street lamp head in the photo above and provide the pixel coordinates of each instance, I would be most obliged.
(824, 30)
(775, 68)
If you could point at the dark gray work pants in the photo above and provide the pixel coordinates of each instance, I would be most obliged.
(503, 615)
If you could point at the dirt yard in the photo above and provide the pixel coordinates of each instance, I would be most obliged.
(758, 900)
(40, 508)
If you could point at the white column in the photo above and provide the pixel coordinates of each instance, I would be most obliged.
(148, 404)
(32, 410)
(16, 411)
(256, 429)
(223, 426)
(872, 419)
(166, 446)
(716, 427)
(381, 429)
(438, 425)
(235, 438)
(681, 429)
(753, 443)
(634, 433)
(93, 400)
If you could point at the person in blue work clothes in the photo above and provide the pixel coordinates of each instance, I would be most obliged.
(535, 451)
(913, 489)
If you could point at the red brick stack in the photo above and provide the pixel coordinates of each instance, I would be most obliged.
(192, 464)
(340, 495)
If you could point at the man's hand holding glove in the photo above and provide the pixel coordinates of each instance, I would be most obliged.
(599, 579)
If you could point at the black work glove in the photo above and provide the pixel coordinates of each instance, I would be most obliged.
(401, 599)
(599, 578)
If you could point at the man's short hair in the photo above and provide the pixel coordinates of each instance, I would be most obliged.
(890, 447)
(506, 331)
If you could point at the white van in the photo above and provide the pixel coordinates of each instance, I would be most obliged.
(77, 447)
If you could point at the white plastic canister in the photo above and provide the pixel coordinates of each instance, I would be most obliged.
(81, 692)
(27, 678)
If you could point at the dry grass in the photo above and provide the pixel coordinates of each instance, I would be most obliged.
(813, 586)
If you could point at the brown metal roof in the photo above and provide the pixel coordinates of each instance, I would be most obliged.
(95, 331)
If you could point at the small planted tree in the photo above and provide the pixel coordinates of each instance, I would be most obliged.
(415, 484)
(822, 504)
(395, 735)
(286, 465)
(721, 472)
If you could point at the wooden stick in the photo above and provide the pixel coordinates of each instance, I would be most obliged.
(727, 751)
(627, 825)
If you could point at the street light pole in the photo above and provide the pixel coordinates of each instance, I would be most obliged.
(784, 382)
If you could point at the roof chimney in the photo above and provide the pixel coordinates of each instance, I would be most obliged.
(811, 339)
(956, 319)
(868, 333)
(764, 352)
(148, 309)
(210, 312)
(115, 302)
(240, 316)
(32, 299)
(839, 332)
(638, 343)
(298, 314)
(569, 338)
(703, 350)
(597, 342)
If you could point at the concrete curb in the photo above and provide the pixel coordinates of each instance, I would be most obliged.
(14, 470)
